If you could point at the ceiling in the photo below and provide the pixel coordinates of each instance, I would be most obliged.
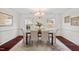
(47, 10)
(50, 13)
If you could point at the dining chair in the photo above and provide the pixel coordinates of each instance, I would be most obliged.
(45, 36)
(24, 36)
(34, 36)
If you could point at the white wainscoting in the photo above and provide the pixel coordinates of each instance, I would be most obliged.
(61, 46)
(6, 35)
(71, 35)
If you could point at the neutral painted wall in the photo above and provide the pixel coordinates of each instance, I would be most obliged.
(58, 23)
(9, 32)
(57, 18)
(68, 31)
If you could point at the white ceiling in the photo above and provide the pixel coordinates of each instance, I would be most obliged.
(47, 10)
(50, 13)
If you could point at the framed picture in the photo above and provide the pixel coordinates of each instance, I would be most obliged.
(67, 19)
(5, 19)
(75, 21)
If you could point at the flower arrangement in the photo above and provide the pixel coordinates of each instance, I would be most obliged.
(39, 24)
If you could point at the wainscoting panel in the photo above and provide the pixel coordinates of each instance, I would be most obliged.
(6, 35)
(72, 35)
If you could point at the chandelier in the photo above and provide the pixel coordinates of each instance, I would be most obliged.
(39, 13)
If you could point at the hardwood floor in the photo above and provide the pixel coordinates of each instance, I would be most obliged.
(34, 47)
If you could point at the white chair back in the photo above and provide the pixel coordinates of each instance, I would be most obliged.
(54, 36)
(34, 36)
(45, 36)
(24, 36)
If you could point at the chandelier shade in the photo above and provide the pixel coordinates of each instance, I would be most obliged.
(39, 13)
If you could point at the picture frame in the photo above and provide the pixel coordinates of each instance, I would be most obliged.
(75, 21)
(67, 19)
(5, 19)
